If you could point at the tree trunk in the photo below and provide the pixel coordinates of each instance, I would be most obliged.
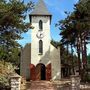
(84, 59)
(78, 53)
(85, 53)
(72, 60)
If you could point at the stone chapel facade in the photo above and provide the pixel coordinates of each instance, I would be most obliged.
(40, 60)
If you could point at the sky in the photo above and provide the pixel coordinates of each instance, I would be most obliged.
(57, 9)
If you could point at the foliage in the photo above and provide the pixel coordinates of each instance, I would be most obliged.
(75, 32)
(12, 24)
(65, 58)
(12, 56)
(5, 70)
(76, 24)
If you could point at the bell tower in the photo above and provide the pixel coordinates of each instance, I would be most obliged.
(40, 19)
(40, 60)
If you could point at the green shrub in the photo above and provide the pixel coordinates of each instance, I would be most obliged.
(4, 80)
(5, 70)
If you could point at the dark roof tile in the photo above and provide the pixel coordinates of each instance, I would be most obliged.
(40, 9)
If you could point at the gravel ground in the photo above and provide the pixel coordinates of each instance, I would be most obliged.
(85, 86)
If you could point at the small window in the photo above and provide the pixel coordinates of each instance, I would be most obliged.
(40, 47)
(40, 25)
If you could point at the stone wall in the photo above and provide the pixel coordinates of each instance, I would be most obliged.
(35, 56)
(30, 53)
(15, 82)
(25, 61)
(52, 56)
(55, 62)
(75, 82)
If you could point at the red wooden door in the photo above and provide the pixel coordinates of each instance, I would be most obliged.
(38, 72)
(32, 72)
(48, 72)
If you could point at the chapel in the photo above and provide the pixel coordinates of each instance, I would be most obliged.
(40, 60)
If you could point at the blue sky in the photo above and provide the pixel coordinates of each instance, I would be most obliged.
(57, 9)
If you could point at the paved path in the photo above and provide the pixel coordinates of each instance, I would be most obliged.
(40, 85)
(47, 85)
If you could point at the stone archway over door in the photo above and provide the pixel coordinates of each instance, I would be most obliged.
(40, 72)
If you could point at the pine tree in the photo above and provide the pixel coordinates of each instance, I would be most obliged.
(12, 23)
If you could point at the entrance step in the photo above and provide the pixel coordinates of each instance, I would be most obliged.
(41, 85)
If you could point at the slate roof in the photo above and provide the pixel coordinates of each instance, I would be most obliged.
(40, 9)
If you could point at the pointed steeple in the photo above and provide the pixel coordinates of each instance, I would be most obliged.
(40, 9)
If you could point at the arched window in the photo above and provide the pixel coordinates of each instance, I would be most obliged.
(40, 25)
(40, 46)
